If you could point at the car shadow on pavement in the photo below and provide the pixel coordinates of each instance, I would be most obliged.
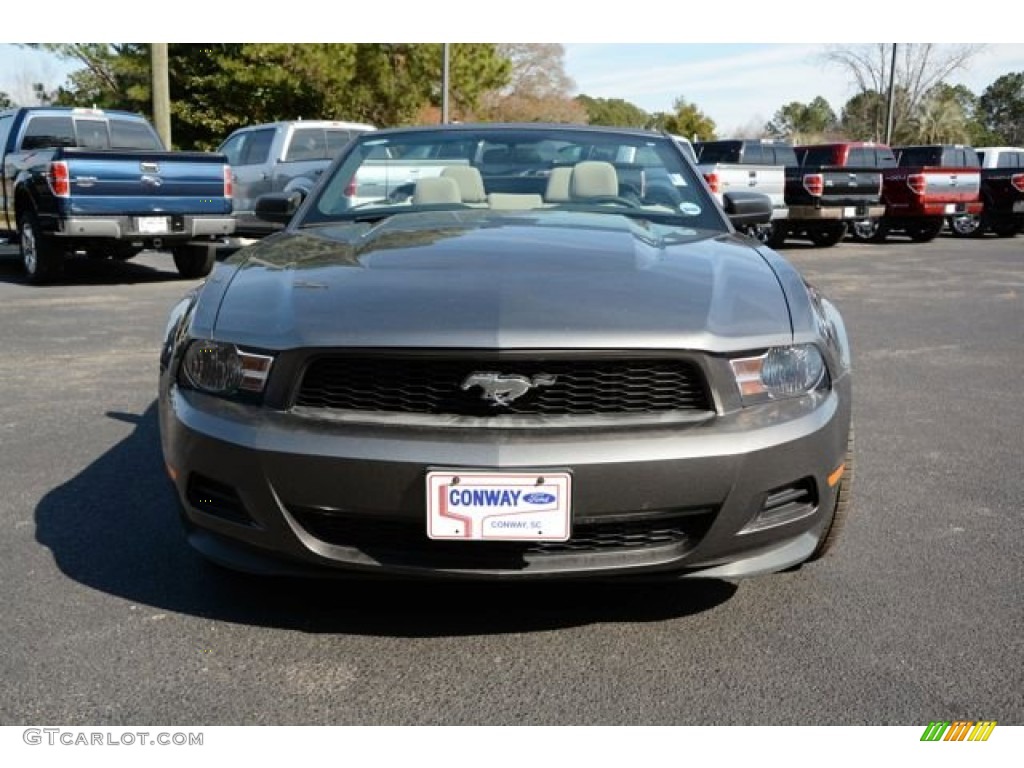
(84, 271)
(114, 527)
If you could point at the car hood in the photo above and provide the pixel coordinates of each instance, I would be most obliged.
(524, 280)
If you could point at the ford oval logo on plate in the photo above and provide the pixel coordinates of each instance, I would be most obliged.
(538, 498)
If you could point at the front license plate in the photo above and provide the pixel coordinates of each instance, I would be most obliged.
(153, 225)
(498, 506)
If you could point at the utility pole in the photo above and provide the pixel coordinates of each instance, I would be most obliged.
(892, 94)
(444, 85)
(161, 92)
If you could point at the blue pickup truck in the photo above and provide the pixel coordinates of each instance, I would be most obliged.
(100, 183)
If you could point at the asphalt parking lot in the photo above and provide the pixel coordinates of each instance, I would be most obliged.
(109, 618)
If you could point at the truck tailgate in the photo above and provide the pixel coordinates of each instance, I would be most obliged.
(946, 185)
(138, 183)
(839, 186)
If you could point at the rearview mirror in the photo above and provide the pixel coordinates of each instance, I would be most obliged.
(277, 207)
(747, 208)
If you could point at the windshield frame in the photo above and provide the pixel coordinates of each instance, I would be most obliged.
(666, 169)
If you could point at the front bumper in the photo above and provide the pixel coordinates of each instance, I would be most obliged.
(272, 492)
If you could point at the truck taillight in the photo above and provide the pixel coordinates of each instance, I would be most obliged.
(60, 179)
(1018, 181)
(714, 183)
(229, 186)
(350, 188)
(917, 183)
(814, 183)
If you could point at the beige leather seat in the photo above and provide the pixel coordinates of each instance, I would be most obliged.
(558, 185)
(592, 179)
(436, 190)
(469, 181)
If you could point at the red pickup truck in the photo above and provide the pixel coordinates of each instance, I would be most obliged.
(930, 183)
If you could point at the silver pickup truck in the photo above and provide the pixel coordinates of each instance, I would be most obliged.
(746, 165)
(286, 156)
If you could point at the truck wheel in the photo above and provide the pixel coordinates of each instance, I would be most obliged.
(763, 233)
(966, 225)
(826, 237)
(869, 231)
(777, 235)
(925, 231)
(1006, 228)
(41, 257)
(194, 261)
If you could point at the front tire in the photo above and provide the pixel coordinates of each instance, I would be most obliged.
(41, 258)
(194, 261)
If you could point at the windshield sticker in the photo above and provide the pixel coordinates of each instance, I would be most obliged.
(690, 209)
(677, 179)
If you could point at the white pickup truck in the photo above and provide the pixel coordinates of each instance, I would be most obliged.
(287, 156)
(747, 165)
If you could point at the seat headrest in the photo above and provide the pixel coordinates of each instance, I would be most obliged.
(436, 190)
(558, 185)
(594, 178)
(469, 181)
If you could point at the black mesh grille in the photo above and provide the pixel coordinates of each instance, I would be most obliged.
(563, 387)
(407, 539)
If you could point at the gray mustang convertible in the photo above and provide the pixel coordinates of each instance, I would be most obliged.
(508, 351)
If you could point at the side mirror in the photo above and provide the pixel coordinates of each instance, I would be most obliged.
(277, 207)
(745, 209)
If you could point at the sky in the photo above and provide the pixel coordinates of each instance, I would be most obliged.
(740, 84)
(737, 73)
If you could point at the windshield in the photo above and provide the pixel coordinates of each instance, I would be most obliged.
(514, 169)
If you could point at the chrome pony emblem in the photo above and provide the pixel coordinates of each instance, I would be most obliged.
(503, 388)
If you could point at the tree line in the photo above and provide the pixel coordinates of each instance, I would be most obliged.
(218, 87)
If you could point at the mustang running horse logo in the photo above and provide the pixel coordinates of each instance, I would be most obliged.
(503, 388)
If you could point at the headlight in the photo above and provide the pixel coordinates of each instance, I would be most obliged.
(223, 369)
(779, 372)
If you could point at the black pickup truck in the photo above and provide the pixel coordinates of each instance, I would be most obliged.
(1002, 193)
(830, 187)
(818, 189)
(100, 183)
